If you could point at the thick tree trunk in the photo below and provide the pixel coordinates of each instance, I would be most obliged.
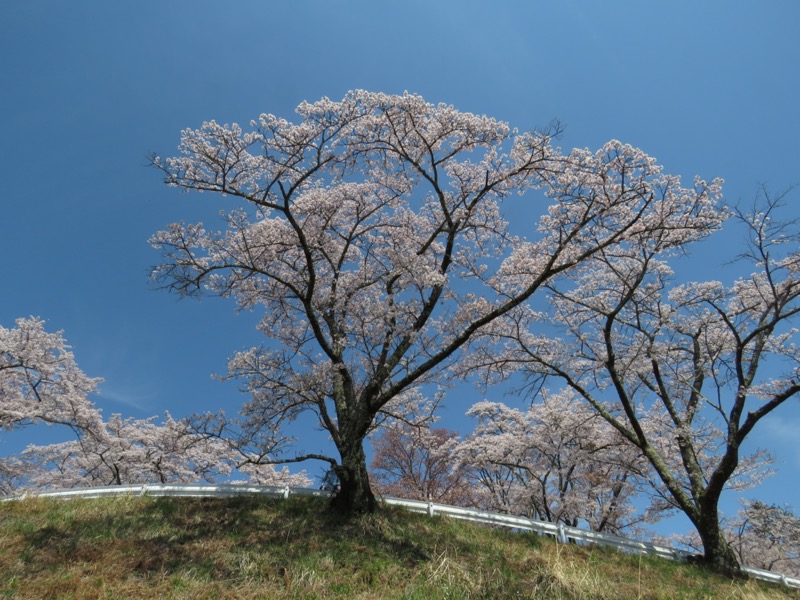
(718, 555)
(354, 495)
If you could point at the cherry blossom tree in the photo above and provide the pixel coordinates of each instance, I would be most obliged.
(12, 471)
(267, 474)
(128, 451)
(684, 372)
(558, 461)
(418, 463)
(372, 236)
(764, 536)
(40, 381)
(134, 451)
(767, 536)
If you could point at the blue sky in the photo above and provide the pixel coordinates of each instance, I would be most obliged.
(91, 88)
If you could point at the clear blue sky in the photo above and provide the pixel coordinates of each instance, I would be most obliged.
(90, 88)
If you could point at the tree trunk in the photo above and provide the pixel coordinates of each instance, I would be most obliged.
(354, 495)
(718, 555)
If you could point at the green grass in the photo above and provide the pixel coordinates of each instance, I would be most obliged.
(134, 547)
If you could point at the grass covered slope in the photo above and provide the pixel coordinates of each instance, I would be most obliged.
(134, 547)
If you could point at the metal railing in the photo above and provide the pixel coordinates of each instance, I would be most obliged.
(562, 533)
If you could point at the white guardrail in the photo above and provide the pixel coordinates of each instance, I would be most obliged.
(560, 532)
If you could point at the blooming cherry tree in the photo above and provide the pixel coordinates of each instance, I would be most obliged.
(419, 463)
(559, 461)
(767, 536)
(40, 381)
(683, 372)
(764, 536)
(133, 451)
(127, 451)
(372, 236)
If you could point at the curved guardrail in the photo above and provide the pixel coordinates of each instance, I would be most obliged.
(560, 532)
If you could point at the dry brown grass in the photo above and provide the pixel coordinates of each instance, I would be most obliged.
(246, 548)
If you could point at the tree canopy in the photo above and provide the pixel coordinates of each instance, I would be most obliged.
(372, 237)
(683, 370)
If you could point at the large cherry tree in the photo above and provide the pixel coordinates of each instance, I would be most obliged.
(764, 536)
(372, 235)
(683, 371)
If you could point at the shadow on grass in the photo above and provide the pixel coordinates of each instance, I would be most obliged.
(209, 536)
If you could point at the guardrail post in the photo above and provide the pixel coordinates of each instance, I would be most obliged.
(286, 493)
(430, 507)
(562, 534)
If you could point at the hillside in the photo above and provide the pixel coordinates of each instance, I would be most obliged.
(134, 547)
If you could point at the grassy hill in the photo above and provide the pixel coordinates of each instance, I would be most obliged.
(133, 547)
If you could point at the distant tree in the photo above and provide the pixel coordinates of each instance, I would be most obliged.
(558, 461)
(40, 381)
(371, 235)
(127, 451)
(135, 451)
(417, 462)
(684, 372)
(767, 536)
(11, 473)
(267, 474)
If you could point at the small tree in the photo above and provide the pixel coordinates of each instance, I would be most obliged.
(767, 536)
(126, 451)
(371, 235)
(134, 451)
(418, 463)
(678, 370)
(560, 462)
